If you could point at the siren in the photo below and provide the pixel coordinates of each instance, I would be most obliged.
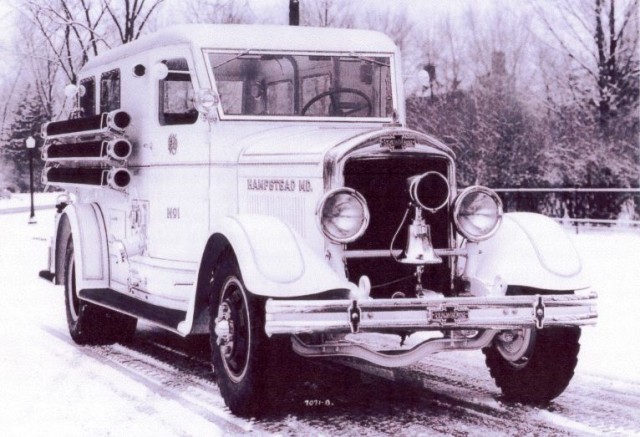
(430, 192)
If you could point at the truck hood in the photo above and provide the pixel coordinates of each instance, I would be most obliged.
(294, 143)
(310, 144)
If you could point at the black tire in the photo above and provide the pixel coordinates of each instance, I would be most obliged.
(545, 371)
(246, 363)
(88, 323)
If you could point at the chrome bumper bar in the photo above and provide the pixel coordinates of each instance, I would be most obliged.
(506, 312)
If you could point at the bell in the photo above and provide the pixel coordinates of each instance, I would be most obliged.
(419, 249)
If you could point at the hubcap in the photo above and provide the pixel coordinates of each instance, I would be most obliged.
(224, 330)
(515, 346)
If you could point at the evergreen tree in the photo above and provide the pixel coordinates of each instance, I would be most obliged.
(14, 156)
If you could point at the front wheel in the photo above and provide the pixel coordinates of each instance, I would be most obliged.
(533, 367)
(245, 361)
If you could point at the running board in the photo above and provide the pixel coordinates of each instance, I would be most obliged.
(164, 317)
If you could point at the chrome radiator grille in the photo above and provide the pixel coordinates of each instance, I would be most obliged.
(383, 183)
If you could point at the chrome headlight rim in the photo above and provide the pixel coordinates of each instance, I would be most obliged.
(365, 208)
(458, 205)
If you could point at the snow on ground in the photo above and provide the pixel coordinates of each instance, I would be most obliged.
(612, 260)
(40, 395)
(22, 201)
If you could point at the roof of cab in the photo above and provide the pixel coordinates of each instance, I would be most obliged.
(253, 37)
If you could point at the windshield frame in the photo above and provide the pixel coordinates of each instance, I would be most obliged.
(297, 118)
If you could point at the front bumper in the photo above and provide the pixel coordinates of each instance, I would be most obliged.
(390, 315)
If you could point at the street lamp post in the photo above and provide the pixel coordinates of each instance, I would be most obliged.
(31, 144)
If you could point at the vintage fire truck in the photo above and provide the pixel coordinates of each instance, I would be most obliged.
(258, 184)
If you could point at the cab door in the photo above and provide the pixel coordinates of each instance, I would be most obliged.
(177, 176)
(172, 180)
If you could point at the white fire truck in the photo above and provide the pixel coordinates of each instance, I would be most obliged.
(258, 184)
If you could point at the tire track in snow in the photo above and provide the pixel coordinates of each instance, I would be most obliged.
(156, 377)
(431, 397)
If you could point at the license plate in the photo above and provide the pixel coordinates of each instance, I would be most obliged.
(449, 314)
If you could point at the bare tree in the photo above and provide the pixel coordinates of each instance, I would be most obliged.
(130, 17)
(328, 13)
(499, 42)
(600, 39)
(70, 31)
(218, 11)
(76, 30)
(439, 48)
(8, 95)
(396, 23)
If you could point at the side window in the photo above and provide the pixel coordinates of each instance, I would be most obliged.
(110, 91)
(176, 95)
(88, 98)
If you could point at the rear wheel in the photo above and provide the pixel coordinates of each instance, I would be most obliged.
(247, 364)
(88, 323)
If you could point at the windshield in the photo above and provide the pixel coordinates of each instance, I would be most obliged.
(303, 85)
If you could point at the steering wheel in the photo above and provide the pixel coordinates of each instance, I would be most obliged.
(342, 109)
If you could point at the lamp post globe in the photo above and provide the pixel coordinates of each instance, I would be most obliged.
(31, 144)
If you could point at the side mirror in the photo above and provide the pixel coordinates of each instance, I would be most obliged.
(206, 102)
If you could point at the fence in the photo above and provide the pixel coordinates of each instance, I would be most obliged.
(578, 206)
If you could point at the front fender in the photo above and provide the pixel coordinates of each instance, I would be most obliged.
(528, 250)
(274, 260)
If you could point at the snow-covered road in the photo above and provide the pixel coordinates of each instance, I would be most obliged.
(160, 385)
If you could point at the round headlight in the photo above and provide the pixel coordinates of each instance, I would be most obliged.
(477, 213)
(344, 215)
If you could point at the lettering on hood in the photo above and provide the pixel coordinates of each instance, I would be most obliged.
(302, 185)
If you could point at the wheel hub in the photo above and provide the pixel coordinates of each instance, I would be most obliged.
(224, 329)
(515, 345)
(232, 329)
